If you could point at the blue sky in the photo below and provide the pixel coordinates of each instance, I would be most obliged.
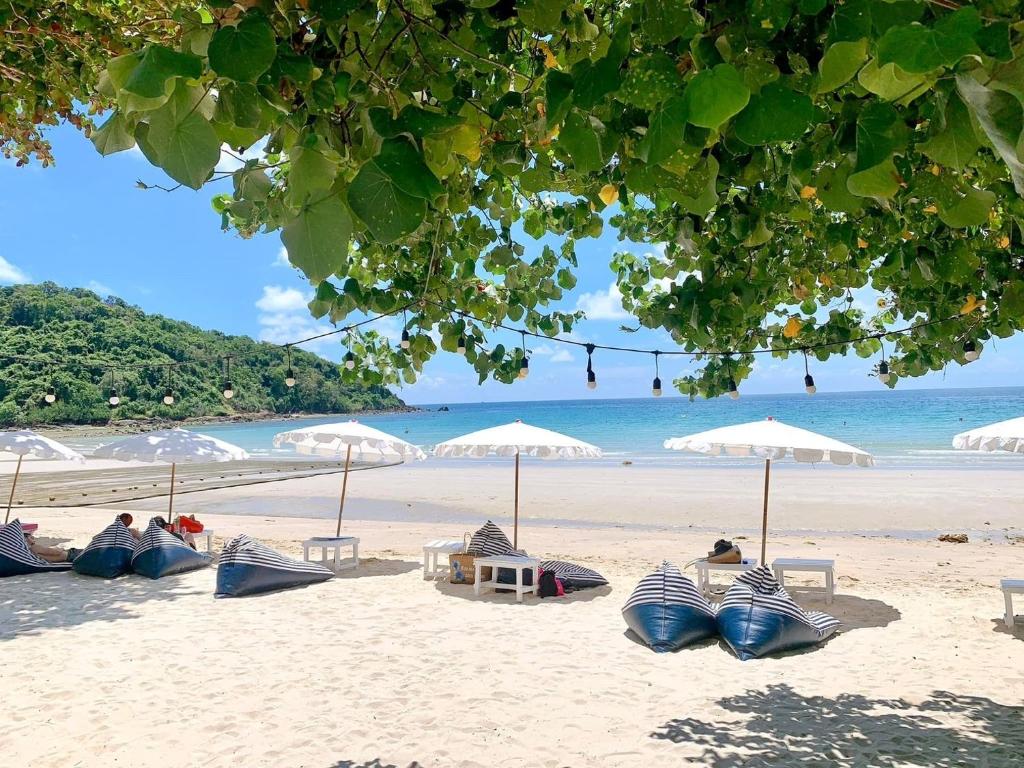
(84, 223)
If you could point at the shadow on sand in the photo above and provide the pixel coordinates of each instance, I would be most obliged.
(375, 763)
(465, 591)
(779, 726)
(375, 566)
(1017, 630)
(42, 601)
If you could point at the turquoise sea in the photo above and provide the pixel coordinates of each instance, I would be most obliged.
(902, 428)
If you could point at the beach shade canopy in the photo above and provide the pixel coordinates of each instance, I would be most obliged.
(25, 442)
(171, 446)
(354, 441)
(516, 439)
(1002, 436)
(770, 440)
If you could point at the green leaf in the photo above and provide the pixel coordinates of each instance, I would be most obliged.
(580, 139)
(1001, 117)
(880, 132)
(239, 104)
(891, 83)
(880, 181)
(650, 81)
(840, 63)
(542, 16)
(157, 65)
(969, 211)
(715, 95)
(994, 41)
(400, 161)
(665, 20)
(956, 143)
(297, 68)
(833, 192)
(594, 80)
(387, 211)
(243, 52)
(917, 49)
(317, 239)
(557, 95)
(1011, 303)
(334, 10)
(310, 174)
(773, 115)
(665, 131)
(413, 121)
(113, 136)
(185, 144)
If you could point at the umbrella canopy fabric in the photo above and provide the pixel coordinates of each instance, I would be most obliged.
(25, 442)
(351, 440)
(1002, 436)
(367, 443)
(173, 446)
(771, 439)
(515, 439)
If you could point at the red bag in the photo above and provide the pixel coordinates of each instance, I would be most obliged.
(190, 524)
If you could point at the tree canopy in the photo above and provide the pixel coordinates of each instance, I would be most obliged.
(80, 345)
(450, 155)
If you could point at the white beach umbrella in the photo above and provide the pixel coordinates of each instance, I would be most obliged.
(25, 442)
(1002, 436)
(352, 440)
(771, 440)
(516, 439)
(172, 446)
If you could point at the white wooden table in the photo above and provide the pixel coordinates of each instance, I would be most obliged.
(826, 567)
(330, 551)
(1011, 587)
(704, 569)
(208, 533)
(518, 564)
(435, 556)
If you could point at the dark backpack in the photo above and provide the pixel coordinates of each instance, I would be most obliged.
(548, 586)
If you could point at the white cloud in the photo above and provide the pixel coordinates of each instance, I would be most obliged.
(562, 356)
(99, 288)
(603, 305)
(278, 299)
(282, 258)
(9, 273)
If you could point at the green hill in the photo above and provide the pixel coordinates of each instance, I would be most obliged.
(45, 322)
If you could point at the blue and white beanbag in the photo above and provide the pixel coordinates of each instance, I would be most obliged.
(247, 567)
(16, 559)
(159, 553)
(573, 576)
(757, 617)
(109, 554)
(668, 612)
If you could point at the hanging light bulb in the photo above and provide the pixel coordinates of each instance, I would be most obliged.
(591, 376)
(656, 384)
(524, 361)
(883, 372)
(229, 390)
(168, 396)
(971, 352)
(461, 348)
(405, 339)
(350, 361)
(51, 395)
(808, 379)
(289, 375)
(114, 399)
(734, 393)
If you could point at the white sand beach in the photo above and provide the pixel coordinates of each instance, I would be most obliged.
(381, 668)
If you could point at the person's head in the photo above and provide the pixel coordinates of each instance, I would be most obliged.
(160, 522)
(127, 519)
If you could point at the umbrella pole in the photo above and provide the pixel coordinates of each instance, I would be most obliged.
(764, 518)
(10, 500)
(515, 525)
(170, 501)
(344, 486)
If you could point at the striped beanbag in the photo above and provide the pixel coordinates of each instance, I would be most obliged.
(16, 559)
(248, 567)
(159, 553)
(757, 617)
(668, 612)
(490, 541)
(574, 576)
(109, 554)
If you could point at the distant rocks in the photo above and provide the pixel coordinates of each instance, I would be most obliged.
(444, 409)
(954, 538)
